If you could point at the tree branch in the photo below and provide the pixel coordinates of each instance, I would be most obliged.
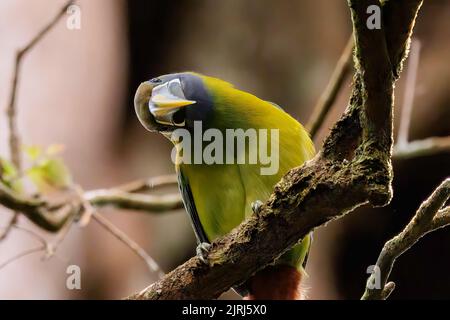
(133, 201)
(425, 147)
(150, 184)
(59, 217)
(52, 217)
(352, 169)
(48, 217)
(14, 141)
(14, 138)
(120, 235)
(328, 97)
(429, 217)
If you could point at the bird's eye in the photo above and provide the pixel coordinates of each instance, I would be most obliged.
(156, 80)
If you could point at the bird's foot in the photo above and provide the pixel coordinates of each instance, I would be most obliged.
(202, 251)
(256, 207)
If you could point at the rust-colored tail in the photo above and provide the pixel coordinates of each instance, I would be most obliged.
(275, 283)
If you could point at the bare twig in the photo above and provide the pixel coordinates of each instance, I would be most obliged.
(43, 245)
(425, 147)
(53, 246)
(32, 233)
(411, 75)
(48, 248)
(21, 255)
(149, 184)
(14, 138)
(119, 234)
(91, 212)
(133, 201)
(428, 218)
(404, 149)
(328, 96)
(88, 209)
(12, 222)
(50, 217)
(47, 216)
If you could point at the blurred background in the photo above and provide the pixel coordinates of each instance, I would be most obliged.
(77, 89)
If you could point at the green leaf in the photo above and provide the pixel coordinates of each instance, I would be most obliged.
(50, 174)
(16, 185)
(10, 175)
(33, 152)
(9, 169)
(54, 149)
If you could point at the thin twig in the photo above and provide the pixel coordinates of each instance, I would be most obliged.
(48, 248)
(42, 247)
(134, 201)
(52, 217)
(342, 70)
(11, 111)
(419, 148)
(12, 222)
(119, 234)
(408, 100)
(91, 212)
(404, 149)
(14, 140)
(148, 184)
(32, 233)
(52, 247)
(21, 255)
(429, 217)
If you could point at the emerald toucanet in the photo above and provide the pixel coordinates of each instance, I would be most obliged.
(218, 195)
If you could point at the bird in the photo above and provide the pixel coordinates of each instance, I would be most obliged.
(219, 194)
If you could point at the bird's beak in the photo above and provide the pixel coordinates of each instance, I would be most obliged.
(156, 105)
(166, 100)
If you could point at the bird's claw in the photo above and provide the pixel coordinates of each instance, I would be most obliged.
(202, 251)
(256, 206)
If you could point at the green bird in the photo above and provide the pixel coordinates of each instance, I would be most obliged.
(228, 185)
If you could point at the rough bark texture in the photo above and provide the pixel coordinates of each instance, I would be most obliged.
(354, 168)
